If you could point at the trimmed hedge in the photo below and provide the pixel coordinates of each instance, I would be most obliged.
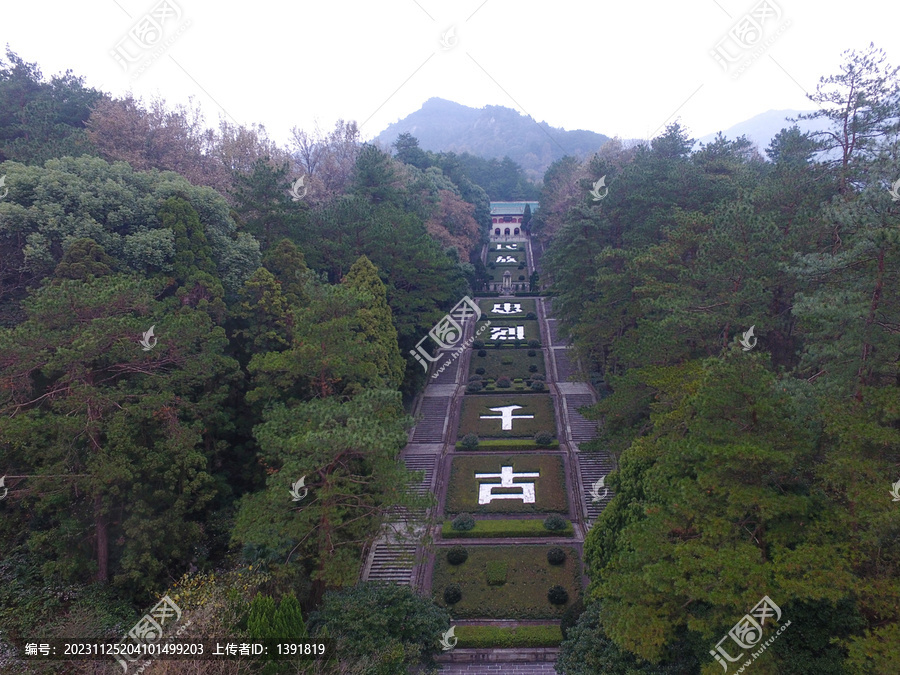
(495, 573)
(457, 555)
(506, 528)
(453, 594)
(465, 522)
(508, 444)
(475, 637)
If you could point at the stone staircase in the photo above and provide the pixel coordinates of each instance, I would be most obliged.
(591, 466)
(431, 426)
(581, 429)
(391, 562)
(565, 369)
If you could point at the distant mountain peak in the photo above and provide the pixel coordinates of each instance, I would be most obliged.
(493, 131)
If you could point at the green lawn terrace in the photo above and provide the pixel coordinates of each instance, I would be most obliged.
(508, 332)
(506, 582)
(506, 258)
(499, 484)
(507, 415)
(519, 366)
(496, 310)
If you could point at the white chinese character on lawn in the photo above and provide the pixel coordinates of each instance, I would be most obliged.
(508, 247)
(506, 416)
(508, 333)
(507, 308)
(31, 649)
(504, 259)
(506, 475)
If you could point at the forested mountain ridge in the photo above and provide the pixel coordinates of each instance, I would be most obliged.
(492, 132)
(750, 464)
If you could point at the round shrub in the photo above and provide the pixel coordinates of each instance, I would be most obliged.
(479, 371)
(457, 555)
(538, 377)
(531, 352)
(463, 522)
(481, 352)
(557, 595)
(521, 277)
(470, 441)
(503, 382)
(534, 344)
(554, 522)
(537, 386)
(474, 378)
(542, 437)
(531, 315)
(522, 267)
(478, 344)
(532, 368)
(555, 556)
(474, 387)
(453, 594)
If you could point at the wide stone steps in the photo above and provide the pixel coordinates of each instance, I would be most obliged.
(421, 462)
(565, 368)
(582, 429)
(448, 376)
(555, 339)
(430, 428)
(593, 466)
(392, 562)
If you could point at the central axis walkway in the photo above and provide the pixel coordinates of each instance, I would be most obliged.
(406, 560)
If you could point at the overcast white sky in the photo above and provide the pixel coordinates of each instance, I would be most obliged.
(618, 68)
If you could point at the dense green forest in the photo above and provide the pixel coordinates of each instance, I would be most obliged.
(280, 329)
(741, 473)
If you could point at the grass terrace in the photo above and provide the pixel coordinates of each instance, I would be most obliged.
(524, 593)
(507, 331)
(549, 487)
(511, 363)
(538, 405)
(507, 308)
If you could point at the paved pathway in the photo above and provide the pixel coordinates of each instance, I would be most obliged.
(431, 445)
